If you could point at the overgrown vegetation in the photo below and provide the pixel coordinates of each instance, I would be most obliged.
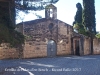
(98, 35)
(77, 24)
(10, 36)
(7, 26)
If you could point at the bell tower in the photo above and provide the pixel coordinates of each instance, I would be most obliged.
(51, 11)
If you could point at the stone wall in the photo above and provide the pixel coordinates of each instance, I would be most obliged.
(86, 46)
(7, 52)
(32, 50)
(96, 47)
(63, 49)
(40, 50)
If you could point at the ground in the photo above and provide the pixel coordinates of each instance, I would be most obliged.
(69, 65)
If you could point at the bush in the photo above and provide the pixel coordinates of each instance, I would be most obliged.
(10, 36)
(98, 35)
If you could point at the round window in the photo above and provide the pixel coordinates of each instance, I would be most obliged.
(51, 26)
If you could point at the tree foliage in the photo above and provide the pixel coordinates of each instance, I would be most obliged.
(77, 24)
(7, 26)
(98, 35)
(89, 16)
(78, 16)
(32, 5)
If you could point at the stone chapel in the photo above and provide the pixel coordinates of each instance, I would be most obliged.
(47, 36)
(50, 37)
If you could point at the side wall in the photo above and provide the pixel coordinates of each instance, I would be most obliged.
(96, 46)
(87, 46)
(8, 53)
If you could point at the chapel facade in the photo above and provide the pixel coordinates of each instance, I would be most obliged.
(47, 36)
(50, 37)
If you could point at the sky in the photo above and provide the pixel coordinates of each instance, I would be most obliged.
(66, 10)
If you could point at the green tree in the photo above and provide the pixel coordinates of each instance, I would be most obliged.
(98, 35)
(89, 19)
(77, 24)
(33, 4)
(78, 16)
(7, 25)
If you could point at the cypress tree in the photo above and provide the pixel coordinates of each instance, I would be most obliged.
(78, 17)
(89, 16)
(89, 19)
(78, 20)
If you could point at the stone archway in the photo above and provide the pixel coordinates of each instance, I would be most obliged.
(51, 48)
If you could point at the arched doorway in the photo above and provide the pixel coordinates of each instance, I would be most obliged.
(51, 48)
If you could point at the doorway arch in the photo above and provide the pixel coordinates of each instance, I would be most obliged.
(51, 48)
